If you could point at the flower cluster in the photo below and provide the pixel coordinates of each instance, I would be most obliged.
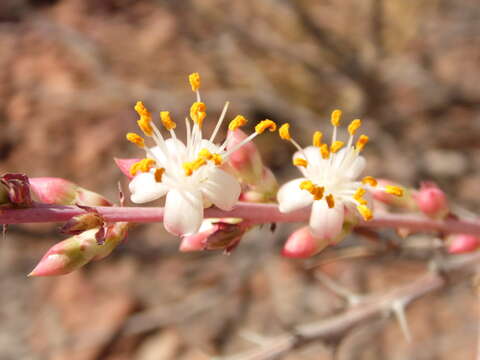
(191, 173)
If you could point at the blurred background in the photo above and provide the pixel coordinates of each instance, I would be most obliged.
(70, 73)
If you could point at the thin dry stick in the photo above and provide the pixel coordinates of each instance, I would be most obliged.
(338, 325)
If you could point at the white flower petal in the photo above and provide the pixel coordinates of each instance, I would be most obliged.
(144, 188)
(183, 212)
(326, 223)
(356, 168)
(221, 189)
(176, 149)
(290, 197)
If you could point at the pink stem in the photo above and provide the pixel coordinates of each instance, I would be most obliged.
(255, 213)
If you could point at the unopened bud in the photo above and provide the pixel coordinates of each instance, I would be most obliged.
(215, 234)
(125, 165)
(462, 243)
(78, 250)
(432, 201)
(59, 191)
(245, 162)
(302, 244)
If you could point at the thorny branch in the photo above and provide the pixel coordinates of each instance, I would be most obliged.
(371, 307)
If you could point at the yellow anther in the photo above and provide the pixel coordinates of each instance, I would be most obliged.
(167, 121)
(237, 122)
(370, 181)
(141, 109)
(217, 159)
(198, 112)
(143, 165)
(159, 174)
(264, 125)
(136, 139)
(335, 118)
(300, 162)
(205, 154)
(337, 145)
(361, 142)
(145, 125)
(359, 193)
(365, 211)
(394, 190)
(330, 201)
(354, 126)
(307, 185)
(324, 151)
(358, 196)
(316, 191)
(284, 132)
(194, 80)
(317, 138)
(187, 168)
(145, 120)
(146, 164)
(198, 163)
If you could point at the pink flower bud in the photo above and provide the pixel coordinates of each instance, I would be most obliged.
(462, 243)
(51, 190)
(431, 200)
(215, 234)
(78, 250)
(59, 191)
(124, 165)
(245, 163)
(301, 244)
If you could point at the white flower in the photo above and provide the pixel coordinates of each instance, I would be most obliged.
(189, 174)
(329, 183)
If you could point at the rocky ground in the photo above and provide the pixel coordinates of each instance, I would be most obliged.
(70, 71)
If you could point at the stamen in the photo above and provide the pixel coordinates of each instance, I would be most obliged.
(365, 212)
(284, 132)
(370, 181)
(330, 201)
(394, 190)
(144, 123)
(167, 121)
(220, 121)
(337, 145)
(316, 191)
(143, 165)
(237, 122)
(159, 174)
(317, 138)
(324, 151)
(205, 154)
(354, 126)
(335, 117)
(187, 168)
(194, 80)
(361, 142)
(136, 139)
(217, 159)
(358, 196)
(300, 162)
(198, 112)
(264, 125)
